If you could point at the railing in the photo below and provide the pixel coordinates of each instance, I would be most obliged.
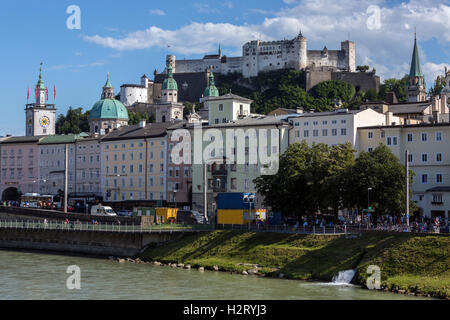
(170, 228)
(100, 227)
(285, 229)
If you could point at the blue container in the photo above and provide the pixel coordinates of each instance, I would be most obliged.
(234, 201)
(274, 218)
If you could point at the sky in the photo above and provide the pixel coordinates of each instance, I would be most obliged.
(131, 38)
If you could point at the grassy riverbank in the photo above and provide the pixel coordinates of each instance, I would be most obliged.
(408, 262)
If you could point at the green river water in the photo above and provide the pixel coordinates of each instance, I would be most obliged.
(32, 276)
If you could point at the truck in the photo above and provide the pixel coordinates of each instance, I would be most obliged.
(99, 210)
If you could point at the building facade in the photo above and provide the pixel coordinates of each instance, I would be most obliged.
(333, 128)
(19, 166)
(429, 159)
(52, 157)
(88, 166)
(134, 163)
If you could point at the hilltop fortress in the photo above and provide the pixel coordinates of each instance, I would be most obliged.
(259, 56)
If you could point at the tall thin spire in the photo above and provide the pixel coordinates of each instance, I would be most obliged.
(416, 70)
(40, 81)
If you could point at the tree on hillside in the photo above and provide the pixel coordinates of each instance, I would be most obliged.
(382, 171)
(136, 117)
(333, 90)
(75, 121)
(394, 85)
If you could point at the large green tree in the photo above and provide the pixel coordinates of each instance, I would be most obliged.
(394, 85)
(439, 84)
(75, 121)
(381, 171)
(308, 179)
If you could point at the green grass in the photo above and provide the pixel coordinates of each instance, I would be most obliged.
(407, 262)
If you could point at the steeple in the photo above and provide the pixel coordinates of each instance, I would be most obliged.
(169, 87)
(416, 91)
(40, 81)
(211, 90)
(41, 91)
(416, 70)
(220, 51)
(108, 90)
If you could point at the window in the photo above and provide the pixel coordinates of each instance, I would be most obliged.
(216, 121)
(438, 136)
(437, 198)
(438, 178)
(424, 157)
(324, 132)
(439, 157)
(410, 137)
(343, 121)
(220, 107)
(315, 133)
(315, 123)
(306, 134)
(424, 178)
(324, 123)
(334, 132)
(391, 141)
(424, 137)
(410, 158)
(343, 132)
(370, 135)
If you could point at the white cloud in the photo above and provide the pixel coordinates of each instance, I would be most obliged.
(228, 4)
(157, 12)
(432, 71)
(323, 22)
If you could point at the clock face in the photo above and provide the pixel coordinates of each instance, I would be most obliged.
(44, 122)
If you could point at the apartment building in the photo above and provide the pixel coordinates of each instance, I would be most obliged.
(51, 155)
(19, 166)
(252, 134)
(133, 163)
(88, 167)
(179, 164)
(429, 159)
(333, 128)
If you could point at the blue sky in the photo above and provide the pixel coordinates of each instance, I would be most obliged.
(130, 38)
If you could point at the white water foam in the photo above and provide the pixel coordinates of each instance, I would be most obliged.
(344, 277)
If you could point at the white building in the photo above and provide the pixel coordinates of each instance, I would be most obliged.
(333, 128)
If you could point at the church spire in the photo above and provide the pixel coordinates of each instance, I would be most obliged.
(416, 70)
(108, 89)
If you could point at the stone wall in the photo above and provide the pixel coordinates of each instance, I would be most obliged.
(82, 242)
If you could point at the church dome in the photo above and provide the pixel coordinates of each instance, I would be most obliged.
(169, 83)
(109, 109)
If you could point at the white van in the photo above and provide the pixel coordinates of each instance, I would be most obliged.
(102, 211)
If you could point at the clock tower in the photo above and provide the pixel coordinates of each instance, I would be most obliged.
(40, 116)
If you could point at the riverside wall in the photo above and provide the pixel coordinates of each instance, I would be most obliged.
(101, 243)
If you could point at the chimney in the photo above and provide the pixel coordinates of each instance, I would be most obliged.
(391, 98)
(389, 116)
(299, 110)
(142, 123)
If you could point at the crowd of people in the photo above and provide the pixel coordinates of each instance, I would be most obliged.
(381, 223)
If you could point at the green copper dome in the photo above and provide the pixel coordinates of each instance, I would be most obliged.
(169, 83)
(211, 90)
(109, 109)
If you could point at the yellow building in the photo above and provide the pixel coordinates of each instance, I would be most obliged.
(429, 158)
(134, 163)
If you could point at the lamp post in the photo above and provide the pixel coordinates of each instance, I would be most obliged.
(368, 204)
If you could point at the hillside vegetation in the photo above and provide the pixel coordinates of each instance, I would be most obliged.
(408, 262)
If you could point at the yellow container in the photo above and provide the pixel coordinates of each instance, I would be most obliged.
(230, 216)
(167, 214)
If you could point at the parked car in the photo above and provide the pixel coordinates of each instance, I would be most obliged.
(100, 210)
(124, 213)
(189, 217)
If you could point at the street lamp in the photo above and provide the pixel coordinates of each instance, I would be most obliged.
(368, 197)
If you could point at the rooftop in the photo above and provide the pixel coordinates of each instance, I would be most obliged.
(138, 132)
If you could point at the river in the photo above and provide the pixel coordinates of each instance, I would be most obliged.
(32, 276)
